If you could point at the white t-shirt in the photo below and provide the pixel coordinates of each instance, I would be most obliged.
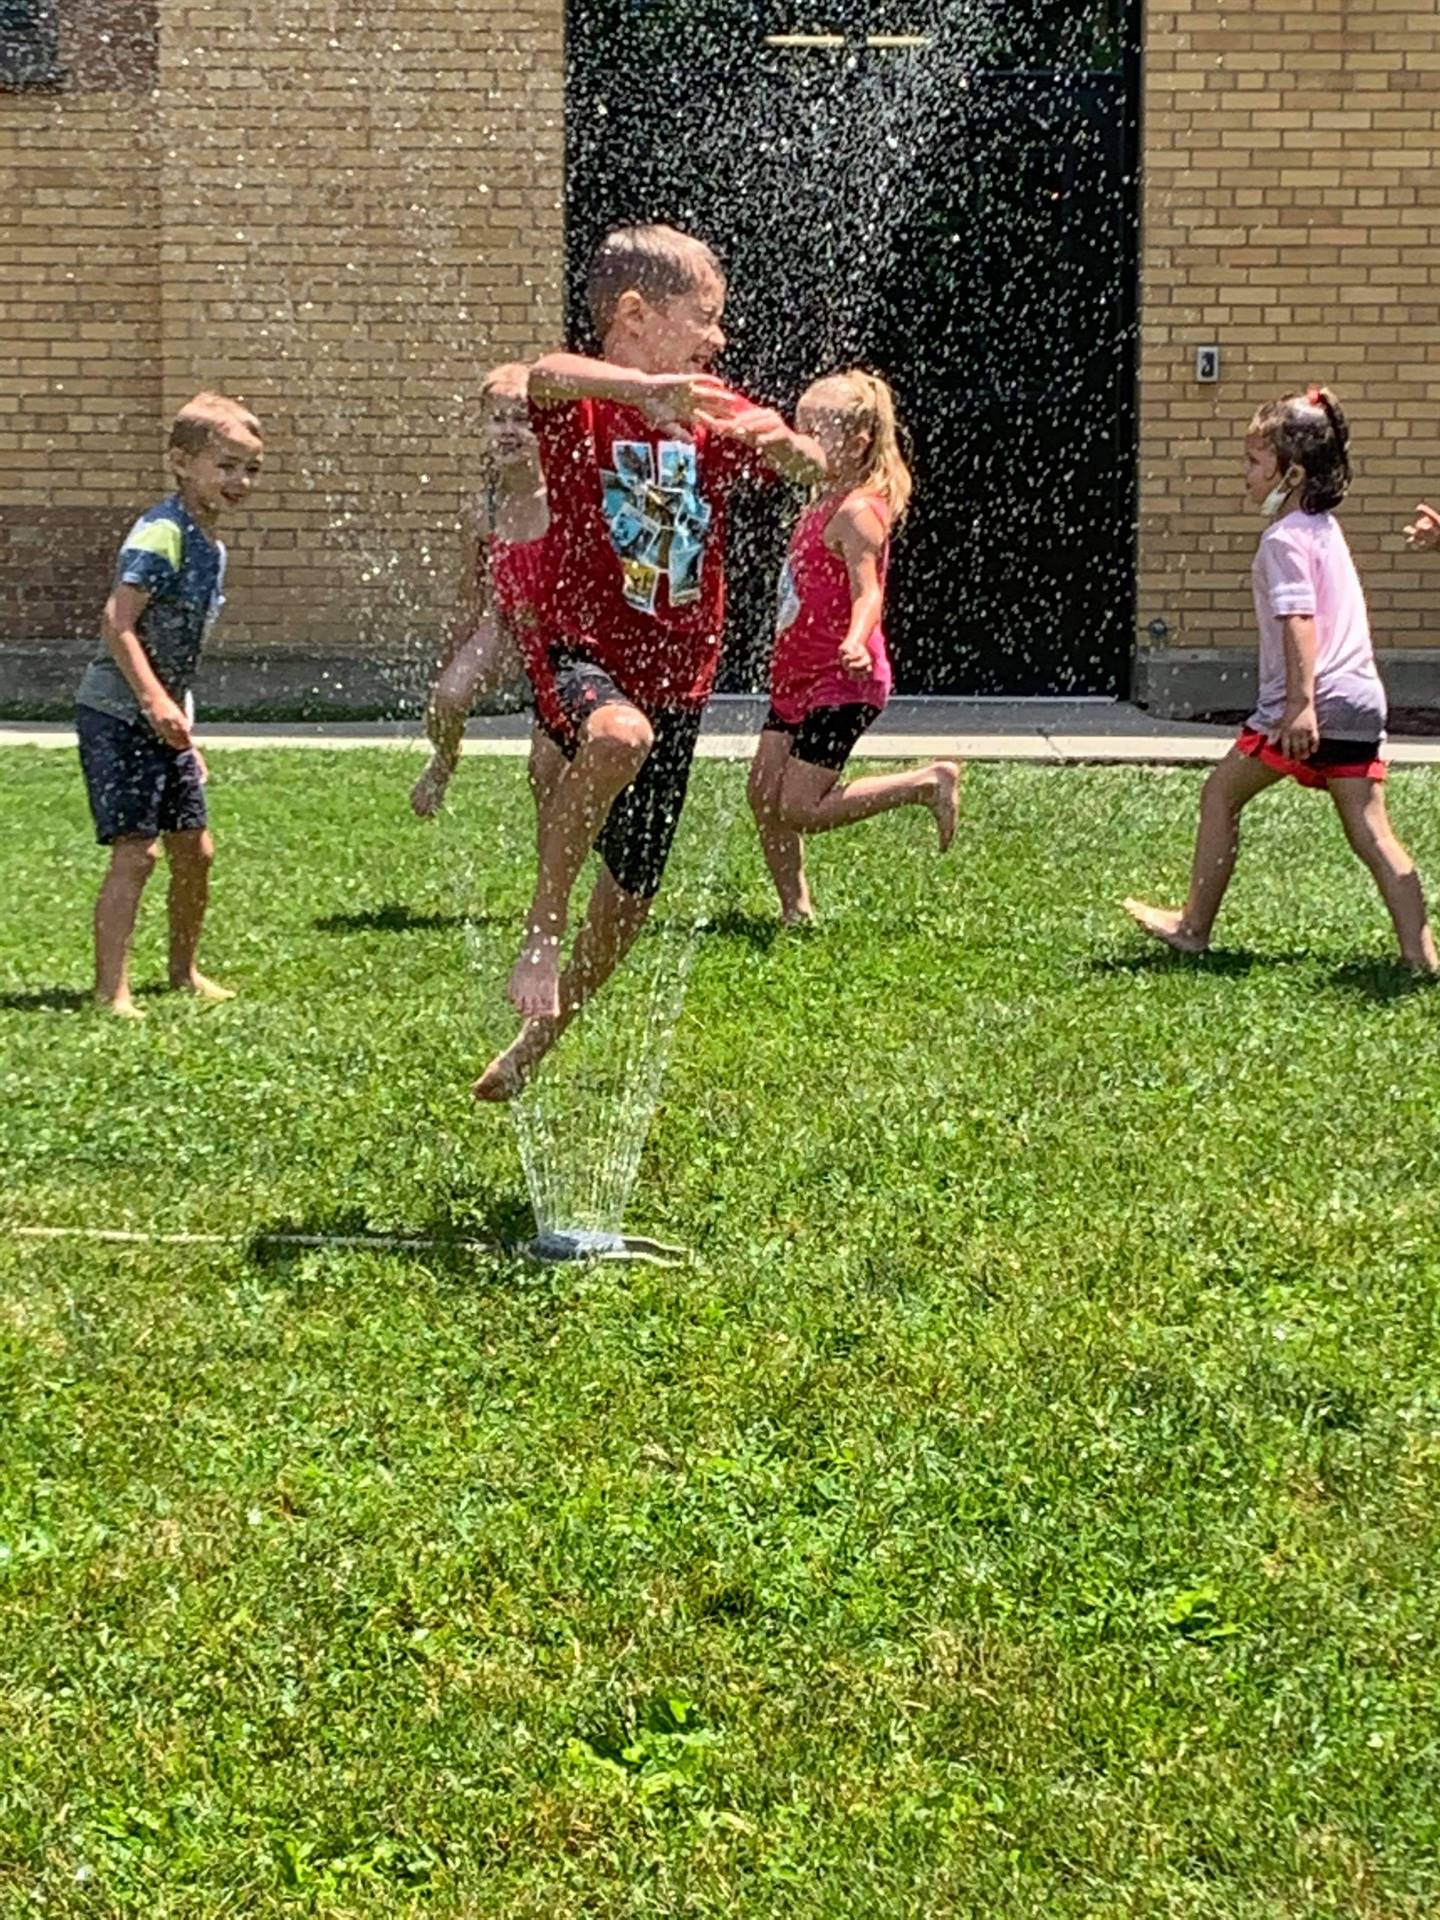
(1303, 566)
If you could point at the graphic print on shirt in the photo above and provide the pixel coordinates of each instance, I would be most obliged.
(787, 599)
(658, 522)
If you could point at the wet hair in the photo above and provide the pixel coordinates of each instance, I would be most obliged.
(1309, 431)
(655, 262)
(200, 420)
(871, 411)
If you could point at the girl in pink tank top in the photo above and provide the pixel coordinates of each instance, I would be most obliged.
(496, 641)
(830, 675)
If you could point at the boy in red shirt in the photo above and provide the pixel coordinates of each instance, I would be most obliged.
(640, 448)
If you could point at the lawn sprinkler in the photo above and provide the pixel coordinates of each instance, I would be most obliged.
(592, 1243)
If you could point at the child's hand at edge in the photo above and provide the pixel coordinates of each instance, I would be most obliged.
(692, 397)
(1424, 535)
(167, 717)
(856, 659)
(1298, 734)
(766, 432)
(756, 427)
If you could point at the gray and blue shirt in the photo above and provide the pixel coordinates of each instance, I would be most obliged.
(183, 571)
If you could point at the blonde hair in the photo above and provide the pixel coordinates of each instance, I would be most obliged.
(656, 262)
(208, 414)
(869, 409)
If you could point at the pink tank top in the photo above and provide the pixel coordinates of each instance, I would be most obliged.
(517, 577)
(518, 588)
(813, 618)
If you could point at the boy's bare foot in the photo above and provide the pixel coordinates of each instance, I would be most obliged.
(1167, 924)
(534, 989)
(945, 804)
(428, 792)
(203, 989)
(122, 1007)
(508, 1073)
(798, 916)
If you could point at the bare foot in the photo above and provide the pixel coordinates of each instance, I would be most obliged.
(208, 990)
(798, 916)
(534, 988)
(1167, 924)
(508, 1073)
(122, 1007)
(945, 804)
(428, 792)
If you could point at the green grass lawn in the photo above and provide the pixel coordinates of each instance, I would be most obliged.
(1025, 1504)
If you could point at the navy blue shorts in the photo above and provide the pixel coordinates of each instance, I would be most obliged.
(636, 839)
(827, 736)
(136, 784)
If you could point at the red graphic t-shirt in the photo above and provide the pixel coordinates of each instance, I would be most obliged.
(635, 576)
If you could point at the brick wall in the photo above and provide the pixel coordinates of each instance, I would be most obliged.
(1292, 214)
(80, 375)
(344, 212)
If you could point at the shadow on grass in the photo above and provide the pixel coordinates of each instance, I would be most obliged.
(442, 1241)
(395, 917)
(70, 999)
(1380, 979)
(46, 1000)
(733, 923)
(1228, 962)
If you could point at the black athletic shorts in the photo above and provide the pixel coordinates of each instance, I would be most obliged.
(137, 784)
(826, 737)
(637, 836)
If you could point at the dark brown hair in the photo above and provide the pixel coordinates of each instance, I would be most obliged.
(1309, 431)
(656, 262)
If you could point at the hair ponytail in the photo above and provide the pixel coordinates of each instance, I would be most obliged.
(869, 405)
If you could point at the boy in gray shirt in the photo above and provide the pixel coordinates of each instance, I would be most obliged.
(134, 711)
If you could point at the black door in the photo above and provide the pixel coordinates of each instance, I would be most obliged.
(945, 191)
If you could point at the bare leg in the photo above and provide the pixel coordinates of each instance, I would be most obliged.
(1361, 806)
(191, 856)
(485, 663)
(612, 922)
(613, 747)
(132, 861)
(547, 763)
(1227, 791)
(813, 801)
(783, 848)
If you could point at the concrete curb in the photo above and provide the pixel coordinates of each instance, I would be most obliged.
(1053, 733)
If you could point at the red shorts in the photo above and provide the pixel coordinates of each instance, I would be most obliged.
(1331, 760)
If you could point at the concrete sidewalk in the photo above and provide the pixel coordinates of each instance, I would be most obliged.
(1051, 732)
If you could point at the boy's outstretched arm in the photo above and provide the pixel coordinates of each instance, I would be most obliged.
(794, 456)
(561, 378)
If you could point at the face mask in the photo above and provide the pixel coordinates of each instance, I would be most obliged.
(1277, 498)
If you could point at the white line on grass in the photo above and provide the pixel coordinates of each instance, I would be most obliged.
(142, 1237)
